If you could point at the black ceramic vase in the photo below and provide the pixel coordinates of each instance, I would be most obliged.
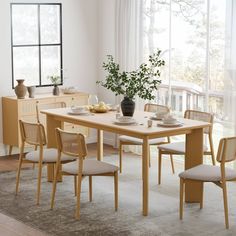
(55, 90)
(127, 106)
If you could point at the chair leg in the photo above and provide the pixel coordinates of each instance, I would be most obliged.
(120, 156)
(159, 166)
(149, 158)
(225, 204)
(75, 184)
(54, 185)
(202, 194)
(18, 173)
(35, 149)
(116, 189)
(181, 198)
(90, 189)
(77, 214)
(10, 150)
(212, 150)
(172, 163)
(39, 182)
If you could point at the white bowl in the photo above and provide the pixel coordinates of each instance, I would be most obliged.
(79, 109)
(160, 115)
(125, 118)
(169, 120)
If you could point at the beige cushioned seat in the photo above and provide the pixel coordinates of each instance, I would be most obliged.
(90, 167)
(49, 155)
(178, 147)
(138, 141)
(207, 173)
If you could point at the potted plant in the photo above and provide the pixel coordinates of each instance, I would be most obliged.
(142, 82)
(55, 80)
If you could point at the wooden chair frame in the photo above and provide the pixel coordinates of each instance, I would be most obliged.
(222, 184)
(122, 143)
(78, 177)
(41, 143)
(41, 106)
(171, 153)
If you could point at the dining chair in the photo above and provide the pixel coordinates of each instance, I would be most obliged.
(178, 148)
(73, 144)
(44, 106)
(34, 134)
(127, 140)
(218, 175)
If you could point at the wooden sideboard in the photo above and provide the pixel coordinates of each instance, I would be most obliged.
(14, 109)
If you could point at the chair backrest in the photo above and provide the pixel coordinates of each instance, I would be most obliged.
(32, 133)
(201, 116)
(227, 150)
(44, 106)
(151, 107)
(72, 144)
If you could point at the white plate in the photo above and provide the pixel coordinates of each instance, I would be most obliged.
(78, 113)
(127, 122)
(177, 124)
(155, 118)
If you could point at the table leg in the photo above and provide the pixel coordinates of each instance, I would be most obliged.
(99, 145)
(194, 157)
(145, 172)
(52, 124)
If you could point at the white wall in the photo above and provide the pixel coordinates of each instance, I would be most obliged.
(106, 43)
(80, 46)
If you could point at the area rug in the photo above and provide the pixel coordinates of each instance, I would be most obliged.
(99, 218)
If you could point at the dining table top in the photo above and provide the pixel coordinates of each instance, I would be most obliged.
(107, 121)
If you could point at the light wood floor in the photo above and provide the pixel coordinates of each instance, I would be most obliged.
(12, 227)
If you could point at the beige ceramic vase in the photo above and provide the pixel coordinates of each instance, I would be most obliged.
(20, 89)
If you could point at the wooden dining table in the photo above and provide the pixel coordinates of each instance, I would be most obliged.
(106, 122)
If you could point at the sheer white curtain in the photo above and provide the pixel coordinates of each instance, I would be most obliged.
(128, 52)
(230, 64)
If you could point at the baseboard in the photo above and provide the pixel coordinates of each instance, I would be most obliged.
(3, 149)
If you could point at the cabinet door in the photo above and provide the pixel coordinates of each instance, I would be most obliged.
(26, 107)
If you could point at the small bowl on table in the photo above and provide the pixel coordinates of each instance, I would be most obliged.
(79, 109)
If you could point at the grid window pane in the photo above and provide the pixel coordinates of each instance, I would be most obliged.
(26, 65)
(36, 43)
(50, 63)
(25, 24)
(50, 24)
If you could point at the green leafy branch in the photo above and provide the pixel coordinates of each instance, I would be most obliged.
(141, 82)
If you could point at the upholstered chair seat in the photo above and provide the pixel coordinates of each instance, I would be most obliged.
(50, 156)
(90, 167)
(178, 147)
(138, 141)
(207, 173)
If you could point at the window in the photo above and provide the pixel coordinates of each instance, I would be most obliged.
(191, 35)
(36, 43)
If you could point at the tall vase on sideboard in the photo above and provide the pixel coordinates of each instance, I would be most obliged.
(20, 89)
